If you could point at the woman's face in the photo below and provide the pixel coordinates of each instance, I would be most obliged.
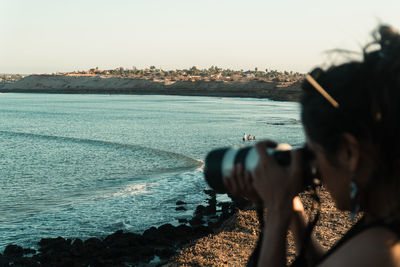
(335, 179)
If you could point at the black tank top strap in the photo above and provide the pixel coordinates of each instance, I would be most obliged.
(357, 228)
(392, 225)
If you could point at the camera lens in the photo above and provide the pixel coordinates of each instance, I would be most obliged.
(220, 162)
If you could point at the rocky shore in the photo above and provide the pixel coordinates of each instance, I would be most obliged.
(153, 247)
(219, 234)
(275, 90)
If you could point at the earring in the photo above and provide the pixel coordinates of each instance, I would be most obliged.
(355, 206)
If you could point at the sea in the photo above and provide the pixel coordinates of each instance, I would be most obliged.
(82, 166)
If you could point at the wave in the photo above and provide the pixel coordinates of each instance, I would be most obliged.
(190, 162)
(131, 190)
(281, 121)
(31, 112)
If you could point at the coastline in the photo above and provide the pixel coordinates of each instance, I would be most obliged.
(274, 90)
(219, 234)
(156, 246)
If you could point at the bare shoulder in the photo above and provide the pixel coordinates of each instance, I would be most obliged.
(376, 246)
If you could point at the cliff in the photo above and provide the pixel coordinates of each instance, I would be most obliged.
(284, 91)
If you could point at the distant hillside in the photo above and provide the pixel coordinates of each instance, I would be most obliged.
(96, 84)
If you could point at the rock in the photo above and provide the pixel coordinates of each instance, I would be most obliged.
(13, 251)
(29, 251)
(182, 220)
(162, 236)
(110, 239)
(196, 221)
(212, 201)
(93, 246)
(98, 262)
(165, 253)
(225, 215)
(4, 261)
(200, 210)
(150, 233)
(180, 208)
(202, 230)
(55, 244)
(77, 247)
(243, 204)
(167, 230)
(210, 192)
(23, 262)
(225, 206)
(145, 253)
(124, 240)
(180, 203)
(183, 234)
(210, 210)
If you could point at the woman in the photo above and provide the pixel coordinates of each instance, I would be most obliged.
(352, 127)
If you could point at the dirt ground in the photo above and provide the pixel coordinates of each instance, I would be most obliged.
(234, 241)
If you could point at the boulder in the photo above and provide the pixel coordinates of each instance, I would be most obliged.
(13, 251)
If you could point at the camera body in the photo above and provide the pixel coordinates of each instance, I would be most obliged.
(219, 163)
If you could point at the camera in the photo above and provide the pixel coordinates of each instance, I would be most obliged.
(219, 163)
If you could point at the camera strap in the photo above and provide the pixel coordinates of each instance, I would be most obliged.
(301, 258)
(253, 259)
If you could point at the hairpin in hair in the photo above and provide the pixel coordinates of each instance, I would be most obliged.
(321, 90)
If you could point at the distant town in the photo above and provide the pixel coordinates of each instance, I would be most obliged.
(193, 74)
(10, 78)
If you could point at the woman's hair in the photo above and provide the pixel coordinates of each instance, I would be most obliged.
(368, 94)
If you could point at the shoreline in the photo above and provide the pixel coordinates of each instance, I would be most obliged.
(154, 247)
(274, 90)
(219, 234)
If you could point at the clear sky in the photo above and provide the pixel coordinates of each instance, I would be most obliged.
(46, 36)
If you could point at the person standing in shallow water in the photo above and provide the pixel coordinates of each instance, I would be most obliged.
(350, 114)
(244, 137)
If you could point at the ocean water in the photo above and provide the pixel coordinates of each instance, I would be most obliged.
(81, 166)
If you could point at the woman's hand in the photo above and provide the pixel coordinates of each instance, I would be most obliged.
(277, 185)
(239, 184)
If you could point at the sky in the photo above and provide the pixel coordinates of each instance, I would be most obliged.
(48, 36)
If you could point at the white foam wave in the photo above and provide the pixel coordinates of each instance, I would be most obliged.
(200, 168)
(130, 190)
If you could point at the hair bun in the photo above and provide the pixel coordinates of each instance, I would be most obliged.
(389, 40)
(388, 35)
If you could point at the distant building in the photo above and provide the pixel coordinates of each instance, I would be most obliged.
(248, 74)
